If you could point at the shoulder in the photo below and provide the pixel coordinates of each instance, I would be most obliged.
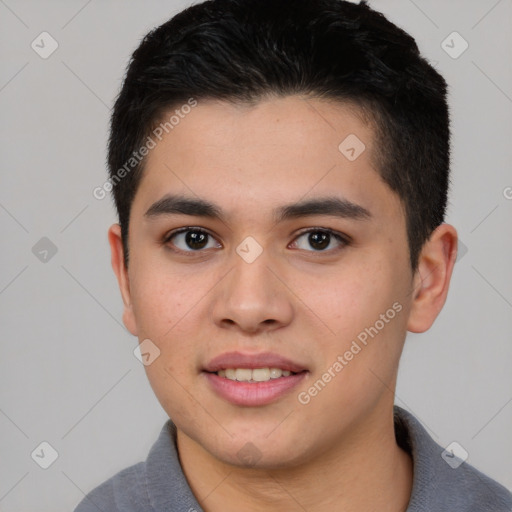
(481, 492)
(125, 492)
(156, 484)
(466, 489)
(441, 481)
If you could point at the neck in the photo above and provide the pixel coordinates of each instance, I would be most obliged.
(366, 471)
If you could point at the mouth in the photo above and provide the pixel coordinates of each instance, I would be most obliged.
(253, 379)
(254, 375)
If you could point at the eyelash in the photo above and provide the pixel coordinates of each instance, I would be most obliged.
(344, 240)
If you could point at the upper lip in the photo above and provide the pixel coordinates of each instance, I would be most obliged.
(252, 361)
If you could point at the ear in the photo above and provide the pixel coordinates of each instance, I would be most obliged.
(432, 278)
(121, 272)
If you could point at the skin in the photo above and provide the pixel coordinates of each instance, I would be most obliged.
(339, 450)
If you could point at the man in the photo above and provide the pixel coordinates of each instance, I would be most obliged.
(280, 170)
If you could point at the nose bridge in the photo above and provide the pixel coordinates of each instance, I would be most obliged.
(251, 296)
(251, 278)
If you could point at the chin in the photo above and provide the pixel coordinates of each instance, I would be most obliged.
(259, 450)
(251, 456)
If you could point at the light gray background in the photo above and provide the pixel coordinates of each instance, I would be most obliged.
(68, 373)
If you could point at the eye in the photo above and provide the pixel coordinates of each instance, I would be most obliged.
(191, 240)
(320, 239)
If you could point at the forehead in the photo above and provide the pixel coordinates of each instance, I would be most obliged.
(275, 152)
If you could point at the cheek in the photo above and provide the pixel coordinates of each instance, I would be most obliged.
(164, 306)
(167, 308)
(161, 300)
(173, 389)
(366, 313)
(354, 299)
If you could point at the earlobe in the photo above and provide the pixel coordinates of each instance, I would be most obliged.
(432, 278)
(121, 272)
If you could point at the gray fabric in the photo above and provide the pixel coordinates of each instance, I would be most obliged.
(159, 485)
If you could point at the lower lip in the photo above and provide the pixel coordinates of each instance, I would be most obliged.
(253, 393)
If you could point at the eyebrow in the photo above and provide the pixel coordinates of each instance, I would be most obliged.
(330, 206)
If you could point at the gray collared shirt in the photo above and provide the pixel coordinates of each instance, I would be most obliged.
(159, 485)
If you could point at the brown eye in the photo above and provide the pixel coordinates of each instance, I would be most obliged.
(191, 240)
(319, 240)
(196, 239)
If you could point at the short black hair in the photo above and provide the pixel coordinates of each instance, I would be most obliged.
(243, 51)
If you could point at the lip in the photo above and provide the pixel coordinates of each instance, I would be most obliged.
(256, 393)
(253, 394)
(252, 361)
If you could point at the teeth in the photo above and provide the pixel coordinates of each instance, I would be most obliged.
(261, 374)
(243, 374)
(255, 375)
(275, 373)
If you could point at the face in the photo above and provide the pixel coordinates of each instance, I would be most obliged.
(257, 242)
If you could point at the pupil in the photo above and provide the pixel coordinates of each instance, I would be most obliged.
(196, 239)
(319, 240)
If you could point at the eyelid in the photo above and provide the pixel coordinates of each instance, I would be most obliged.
(342, 238)
(184, 229)
(167, 238)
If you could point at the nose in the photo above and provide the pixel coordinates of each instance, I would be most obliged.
(252, 297)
